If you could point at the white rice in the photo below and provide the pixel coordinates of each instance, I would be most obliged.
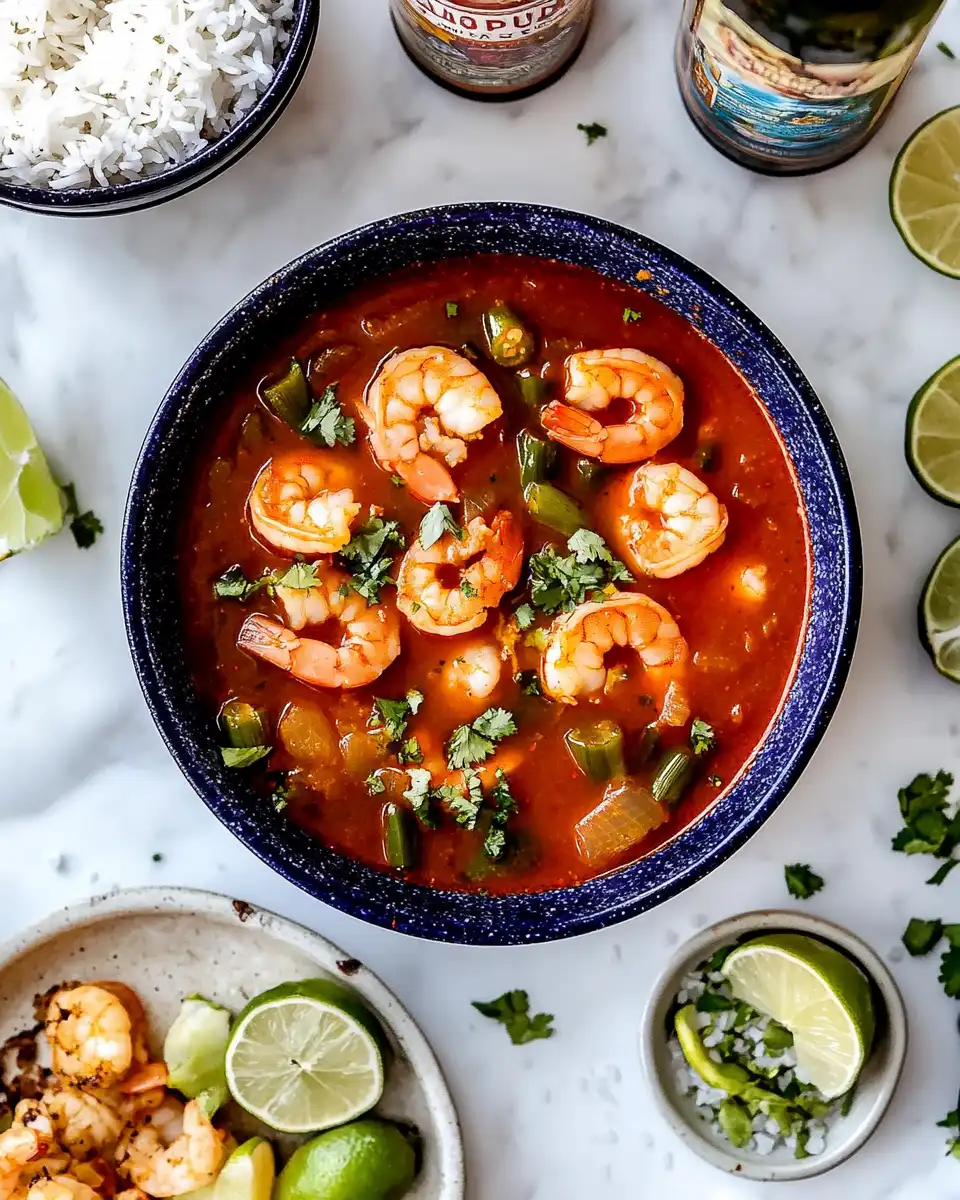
(95, 92)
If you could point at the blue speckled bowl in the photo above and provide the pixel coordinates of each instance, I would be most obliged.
(152, 604)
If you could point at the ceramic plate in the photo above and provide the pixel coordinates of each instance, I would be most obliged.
(167, 943)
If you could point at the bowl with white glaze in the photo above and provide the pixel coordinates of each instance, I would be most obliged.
(874, 1089)
(168, 943)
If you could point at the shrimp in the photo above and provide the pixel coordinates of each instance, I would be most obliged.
(28, 1140)
(161, 1161)
(84, 1125)
(302, 504)
(572, 663)
(422, 408)
(61, 1187)
(596, 378)
(469, 678)
(449, 588)
(94, 1036)
(370, 643)
(668, 520)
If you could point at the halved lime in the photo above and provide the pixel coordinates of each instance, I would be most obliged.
(938, 615)
(925, 192)
(933, 434)
(306, 1056)
(248, 1173)
(31, 503)
(368, 1160)
(819, 994)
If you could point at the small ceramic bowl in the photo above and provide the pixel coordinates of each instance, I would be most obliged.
(151, 190)
(875, 1087)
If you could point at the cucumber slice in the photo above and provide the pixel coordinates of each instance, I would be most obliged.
(195, 1052)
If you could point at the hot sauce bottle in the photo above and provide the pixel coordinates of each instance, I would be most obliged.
(496, 49)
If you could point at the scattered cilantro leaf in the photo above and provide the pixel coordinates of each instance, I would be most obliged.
(529, 682)
(300, 577)
(397, 481)
(951, 1120)
(714, 1002)
(802, 883)
(438, 521)
(495, 844)
(410, 751)
(375, 785)
(474, 743)
(243, 756)
(930, 824)
(464, 805)
(943, 871)
(452, 309)
(512, 1010)
(392, 715)
(504, 806)
(468, 589)
(327, 423)
(369, 554)
(735, 1121)
(950, 972)
(593, 131)
(234, 585)
(524, 617)
(86, 527)
(717, 959)
(945, 50)
(419, 795)
(630, 315)
(702, 737)
(496, 724)
(563, 582)
(715, 781)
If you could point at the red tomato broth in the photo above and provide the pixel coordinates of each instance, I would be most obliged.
(743, 651)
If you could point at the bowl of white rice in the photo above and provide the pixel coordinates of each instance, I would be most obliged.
(112, 105)
(768, 1151)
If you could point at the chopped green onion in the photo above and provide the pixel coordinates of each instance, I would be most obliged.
(509, 341)
(554, 508)
(597, 749)
(289, 397)
(673, 775)
(534, 390)
(243, 725)
(452, 309)
(399, 837)
(538, 459)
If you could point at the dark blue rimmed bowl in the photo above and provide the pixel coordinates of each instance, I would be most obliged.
(320, 278)
(203, 166)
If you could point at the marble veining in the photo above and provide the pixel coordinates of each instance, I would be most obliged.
(97, 316)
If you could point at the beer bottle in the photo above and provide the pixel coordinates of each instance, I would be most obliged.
(791, 86)
(492, 49)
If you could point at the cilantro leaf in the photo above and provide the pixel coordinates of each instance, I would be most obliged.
(243, 756)
(943, 871)
(375, 785)
(714, 1002)
(631, 314)
(85, 527)
(474, 743)
(495, 844)
(326, 421)
(928, 827)
(392, 715)
(468, 589)
(512, 1010)
(920, 936)
(561, 583)
(369, 555)
(505, 805)
(496, 724)
(464, 805)
(234, 585)
(524, 617)
(925, 794)
(951, 1120)
(950, 972)
(702, 737)
(301, 577)
(410, 751)
(438, 521)
(452, 309)
(529, 682)
(593, 131)
(717, 959)
(419, 795)
(802, 883)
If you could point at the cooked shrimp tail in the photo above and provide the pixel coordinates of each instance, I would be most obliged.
(302, 503)
(91, 1034)
(162, 1162)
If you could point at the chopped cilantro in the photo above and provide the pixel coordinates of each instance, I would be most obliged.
(524, 617)
(802, 883)
(410, 751)
(464, 805)
(714, 1002)
(243, 756)
(474, 743)
(943, 871)
(468, 589)
(505, 805)
(512, 1010)
(452, 309)
(234, 585)
(930, 823)
(921, 936)
(369, 556)
(438, 521)
(593, 131)
(714, 781)
(735, 1121)
(702, 737)
(630, 315)
(529, 682)
(300, 577)
(945, 49)
(327, 423)
(561, 583)
(419, 795)
(950, 972)
(375, 785)
(717, 959)
(85, 527)
(397, 481)
(392, 715)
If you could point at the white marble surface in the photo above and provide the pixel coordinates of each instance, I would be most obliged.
(95, 318)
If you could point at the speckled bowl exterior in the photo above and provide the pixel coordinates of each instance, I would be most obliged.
(209, 162)
(320, 278)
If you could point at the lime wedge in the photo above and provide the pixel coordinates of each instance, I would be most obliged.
(248, 1173)
(938, 616)
(933, 434)
(818, 994)
(925, 192)
(306, 1056)
(31, 503)
(368, 1160)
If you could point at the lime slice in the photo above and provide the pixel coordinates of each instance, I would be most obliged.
(818, 994)
(306, 1056)
(925, 192)
(368, 1160)
(194, 1051)
(31, 503)
(938, 616)
(933, 434)
(248, 1173)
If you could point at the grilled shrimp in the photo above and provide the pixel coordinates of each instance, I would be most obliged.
(449, 588)
(422, 408)
(302, 503)
(97, 1032)
(572, 664)
(61, 1187)
(370, 642)
(668, 520)
(28, 1140)
(167, 1156)
(594, 380)
(84, 1125)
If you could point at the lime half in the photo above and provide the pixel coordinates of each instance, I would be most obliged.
(925, 192)
(938, 616)
(306, 1056)
(31, 503)
(818, 994)
(368, 1160)
(933, 434)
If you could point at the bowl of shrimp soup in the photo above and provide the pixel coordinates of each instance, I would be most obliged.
(491, 572)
